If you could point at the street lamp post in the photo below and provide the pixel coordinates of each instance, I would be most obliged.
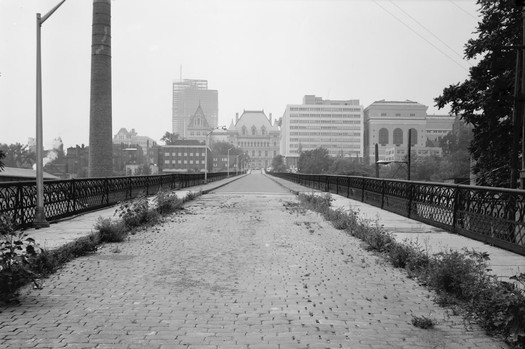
(206, 152)
(237, 165)
(229, 161)
(40, 215)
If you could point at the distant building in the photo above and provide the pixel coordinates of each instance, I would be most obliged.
(255, 134)
(437, 127)
(387, 124)
(127, 156)
(147, 144)
(198, 126)
(187, 96)
(336, 125)
(184, 156)
(77, 161)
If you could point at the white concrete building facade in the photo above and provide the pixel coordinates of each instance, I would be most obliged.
(336, 125)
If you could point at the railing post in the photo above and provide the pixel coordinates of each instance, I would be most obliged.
(19, 204)
(347, 187)
(73, 196)
(410, 198)
(363, 190)
(147, 185)
(130, 188)
(455, 209)
(106, 187)
(337, 185)
(327, 184)
(382, 193)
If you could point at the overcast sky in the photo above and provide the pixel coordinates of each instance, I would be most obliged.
(259, 54)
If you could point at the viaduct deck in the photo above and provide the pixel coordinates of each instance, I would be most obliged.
(238, 268)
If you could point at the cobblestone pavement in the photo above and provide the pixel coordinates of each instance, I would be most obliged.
(233, 271)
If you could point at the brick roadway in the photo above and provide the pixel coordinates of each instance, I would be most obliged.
(233, 271)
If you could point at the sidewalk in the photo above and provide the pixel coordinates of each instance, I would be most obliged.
(503, 263)
(70, 229)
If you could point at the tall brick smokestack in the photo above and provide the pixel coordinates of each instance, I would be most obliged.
(100, 121)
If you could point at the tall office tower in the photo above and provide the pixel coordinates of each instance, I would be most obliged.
(100, 132)
(187, 96)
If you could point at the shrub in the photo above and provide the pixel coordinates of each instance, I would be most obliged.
(111, 230)
(458, 273)
(134, 212)
(167, 202)
(17, 252)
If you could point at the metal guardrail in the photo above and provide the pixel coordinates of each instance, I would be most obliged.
(63, 198)
(495, 216)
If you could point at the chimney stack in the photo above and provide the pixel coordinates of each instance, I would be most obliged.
(100, 119)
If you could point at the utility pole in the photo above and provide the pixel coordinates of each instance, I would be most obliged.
(522, 174)
(40, 220)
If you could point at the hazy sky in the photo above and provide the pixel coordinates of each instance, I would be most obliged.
(259, 54)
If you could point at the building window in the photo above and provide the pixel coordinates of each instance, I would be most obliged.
(398, 136)
(244, 130)
(254, 130)
(253, 153)
(263, 131)
(383, 136)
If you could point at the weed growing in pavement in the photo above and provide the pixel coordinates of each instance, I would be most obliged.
(17, 252)
(135, 212)
(111, 230)
(423, 322)
(460, 278)
(192, 195)
(167, 202)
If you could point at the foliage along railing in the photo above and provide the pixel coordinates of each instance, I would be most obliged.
(63, 198)
(493, 215)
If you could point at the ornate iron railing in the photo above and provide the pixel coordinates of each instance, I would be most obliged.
(495, 216)
(63, 198)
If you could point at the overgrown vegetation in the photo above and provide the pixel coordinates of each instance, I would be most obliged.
(16, 254)
(459, 278)
(23, 261)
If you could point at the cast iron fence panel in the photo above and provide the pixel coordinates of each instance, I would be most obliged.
(492, 215)
(63, 198)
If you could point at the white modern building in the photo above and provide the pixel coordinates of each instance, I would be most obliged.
(336, 125)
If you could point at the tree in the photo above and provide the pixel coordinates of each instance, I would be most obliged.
(350, 167)
(170, 138)
(314, 161)
(278, 164)
(485, 99)
(17, 155)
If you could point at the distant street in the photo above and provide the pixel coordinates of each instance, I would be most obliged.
(241, 267)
